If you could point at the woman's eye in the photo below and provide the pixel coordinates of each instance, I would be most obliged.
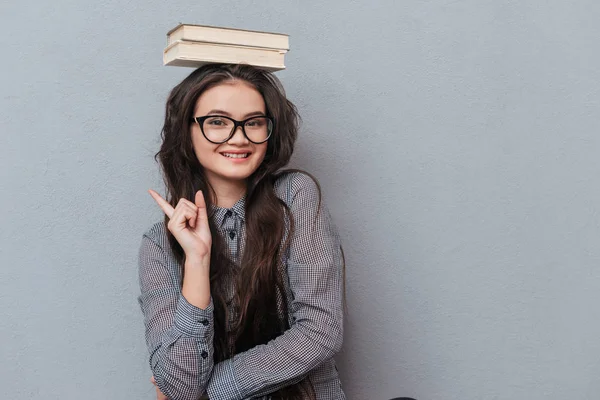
(254, 123)
(217, 122)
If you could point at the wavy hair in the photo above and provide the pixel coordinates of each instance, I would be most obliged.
(259, 281)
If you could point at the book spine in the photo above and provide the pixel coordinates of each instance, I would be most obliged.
(194, 54)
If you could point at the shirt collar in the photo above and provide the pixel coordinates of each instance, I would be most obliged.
(219, 214)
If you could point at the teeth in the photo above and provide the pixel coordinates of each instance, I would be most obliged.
(231, 155)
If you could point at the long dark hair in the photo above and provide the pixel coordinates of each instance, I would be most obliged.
(259, 288)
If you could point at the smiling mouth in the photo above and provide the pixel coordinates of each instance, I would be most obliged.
(236, 155)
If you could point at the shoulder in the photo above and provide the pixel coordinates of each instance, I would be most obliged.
(156, 261)
(155, 247)
(157, 231)
(292, 185)
(157, 234)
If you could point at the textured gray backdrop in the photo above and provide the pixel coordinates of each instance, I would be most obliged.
(457, 144)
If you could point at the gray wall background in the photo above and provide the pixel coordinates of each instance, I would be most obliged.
(457, 144)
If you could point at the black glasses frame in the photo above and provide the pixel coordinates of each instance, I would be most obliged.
(236, 123)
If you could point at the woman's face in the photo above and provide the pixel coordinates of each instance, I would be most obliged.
(236, 159)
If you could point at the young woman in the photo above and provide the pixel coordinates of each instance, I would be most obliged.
(242, 283)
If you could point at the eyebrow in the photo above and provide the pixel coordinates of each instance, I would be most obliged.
(221, 112)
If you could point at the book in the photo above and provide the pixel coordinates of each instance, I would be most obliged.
(238, 37)
(185, 53)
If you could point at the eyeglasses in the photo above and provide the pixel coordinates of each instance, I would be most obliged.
(219, 129)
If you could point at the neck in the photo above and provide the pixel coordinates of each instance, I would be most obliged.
(226, 192)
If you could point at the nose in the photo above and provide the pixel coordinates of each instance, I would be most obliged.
(238, 136)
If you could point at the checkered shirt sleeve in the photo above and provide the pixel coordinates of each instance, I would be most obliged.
(178, 335)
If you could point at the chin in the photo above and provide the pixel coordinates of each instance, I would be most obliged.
(235, 175)
(237, 172)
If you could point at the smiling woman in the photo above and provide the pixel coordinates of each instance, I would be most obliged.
(223, 146)
(242, 283)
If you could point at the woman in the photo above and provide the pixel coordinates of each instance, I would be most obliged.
(242, 283)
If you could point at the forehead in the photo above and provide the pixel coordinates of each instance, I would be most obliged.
(238, 98)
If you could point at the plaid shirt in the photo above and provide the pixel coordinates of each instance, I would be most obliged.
(179, 335)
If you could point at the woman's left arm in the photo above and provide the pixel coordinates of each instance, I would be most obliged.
(315, 273)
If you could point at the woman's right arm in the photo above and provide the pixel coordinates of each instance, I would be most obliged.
(179, 322)
(179, 334)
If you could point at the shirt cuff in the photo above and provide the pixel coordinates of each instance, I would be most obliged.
(223, 385)
(193, 321)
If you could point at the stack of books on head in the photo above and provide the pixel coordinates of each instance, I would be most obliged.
(196, 45)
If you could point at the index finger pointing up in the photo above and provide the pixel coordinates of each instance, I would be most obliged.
(166, 207)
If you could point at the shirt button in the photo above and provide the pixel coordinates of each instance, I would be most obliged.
(204, 322)
(231, 234)
(204, 354)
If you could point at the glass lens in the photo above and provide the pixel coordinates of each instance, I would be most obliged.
(217, 129)
(258, 129)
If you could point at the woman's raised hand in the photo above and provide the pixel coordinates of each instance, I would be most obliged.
(188, 222)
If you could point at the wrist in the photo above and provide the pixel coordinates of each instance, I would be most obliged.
(196, 293)
(197, 263)
(196, 281)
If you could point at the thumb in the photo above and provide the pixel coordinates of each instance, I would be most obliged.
(201, 216)
(199, 199)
